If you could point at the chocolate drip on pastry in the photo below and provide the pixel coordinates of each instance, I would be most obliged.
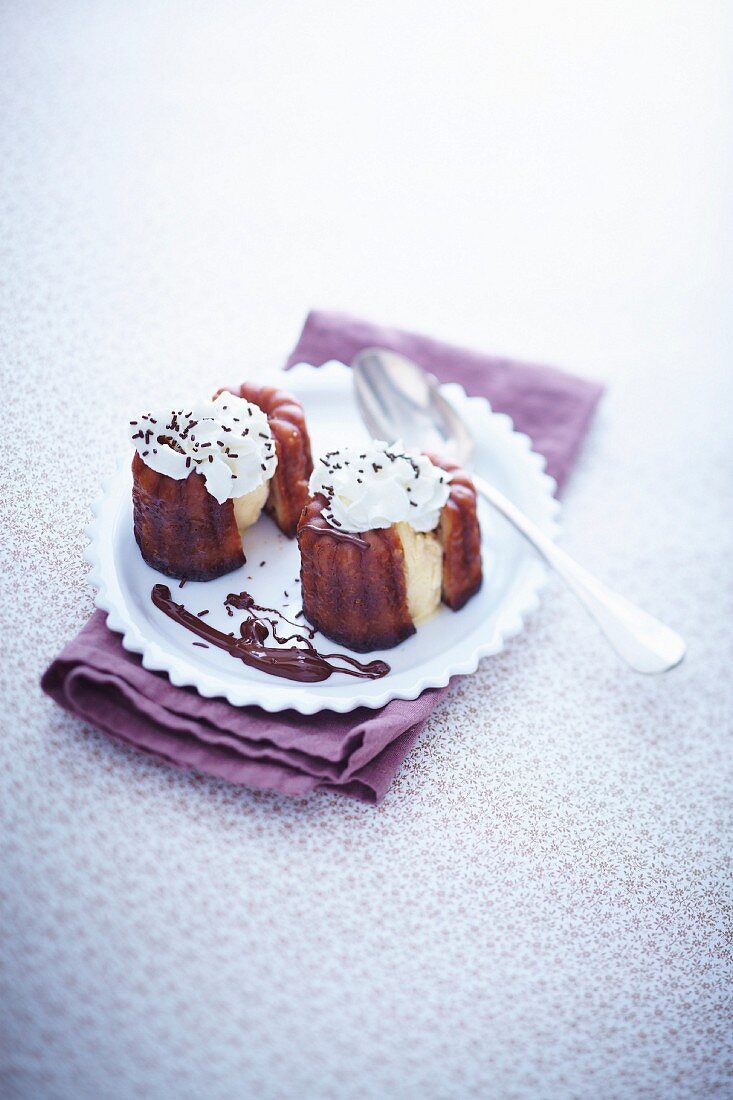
(335, 533)
(354, 593)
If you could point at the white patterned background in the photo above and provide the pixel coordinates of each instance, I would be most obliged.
(540, 909)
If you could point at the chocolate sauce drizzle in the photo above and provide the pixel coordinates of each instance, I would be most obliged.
(244, 602)
(306, 665)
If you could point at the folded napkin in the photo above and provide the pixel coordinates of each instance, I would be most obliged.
(358, 753)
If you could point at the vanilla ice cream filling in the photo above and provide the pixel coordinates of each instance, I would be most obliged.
(247, 509)
(423, 570)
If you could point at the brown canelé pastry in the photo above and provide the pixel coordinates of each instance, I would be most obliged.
(459, 535)
(353, 587)
(181, 529)
(386, 537)
(201, 477)
(289, 485)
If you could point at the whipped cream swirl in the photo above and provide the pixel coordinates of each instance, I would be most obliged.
(227, 440)
(378, 485)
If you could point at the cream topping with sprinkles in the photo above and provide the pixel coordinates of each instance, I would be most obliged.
(378, 485)
(227, 440)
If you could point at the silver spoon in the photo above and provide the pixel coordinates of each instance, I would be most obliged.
(398, 400)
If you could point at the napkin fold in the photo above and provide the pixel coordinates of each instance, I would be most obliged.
(356, 754)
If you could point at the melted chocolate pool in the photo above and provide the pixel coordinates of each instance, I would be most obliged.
(305, 665)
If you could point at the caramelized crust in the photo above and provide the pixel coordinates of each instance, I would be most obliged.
(460, 537)
(181, 529)
(289, 485)
(353, 593)
(353, 586)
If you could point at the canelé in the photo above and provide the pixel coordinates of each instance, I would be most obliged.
(201, 478)
(385, 537)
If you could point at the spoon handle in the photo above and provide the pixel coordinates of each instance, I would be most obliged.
(641, 640)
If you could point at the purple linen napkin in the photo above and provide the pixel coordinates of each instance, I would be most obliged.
(358, 753)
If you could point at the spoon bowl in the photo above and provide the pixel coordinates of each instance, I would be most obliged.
(400, 401)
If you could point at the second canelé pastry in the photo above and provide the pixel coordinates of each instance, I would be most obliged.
(386, 537)
(288, 492)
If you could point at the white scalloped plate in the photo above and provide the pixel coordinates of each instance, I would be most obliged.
(448, 644)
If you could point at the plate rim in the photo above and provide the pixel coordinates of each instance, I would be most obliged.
(99, 554)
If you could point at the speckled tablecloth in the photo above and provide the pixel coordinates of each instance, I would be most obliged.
(539, 909)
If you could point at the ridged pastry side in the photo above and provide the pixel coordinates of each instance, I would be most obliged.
(353, 594)
(289, 485)
(181, 529)
(460, 536)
